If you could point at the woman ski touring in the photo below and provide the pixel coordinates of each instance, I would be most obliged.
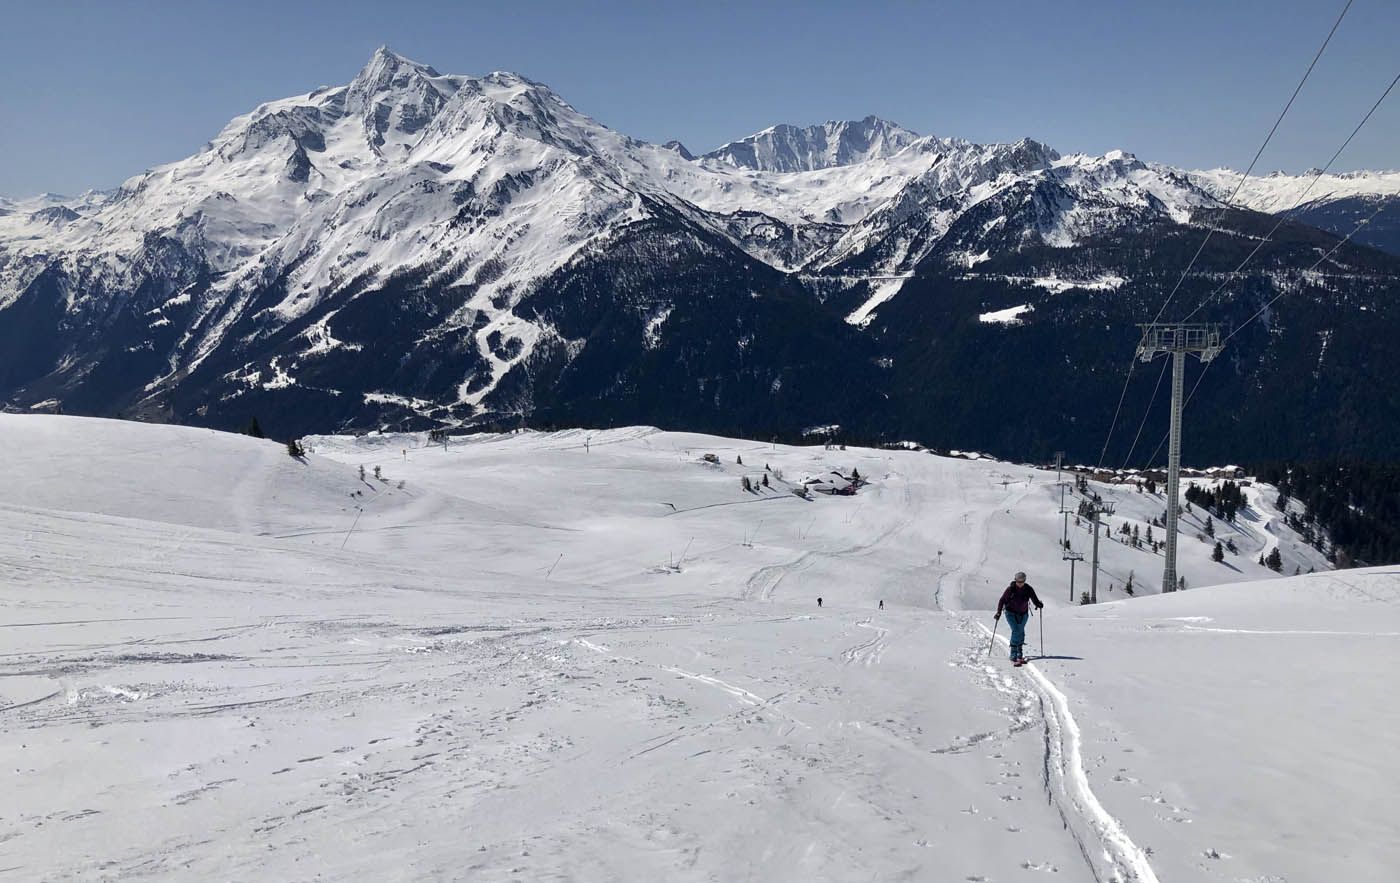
(1016, 601)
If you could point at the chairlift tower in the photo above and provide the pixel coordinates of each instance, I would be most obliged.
(1177, 339)
(1098, 508)
(1072, 558)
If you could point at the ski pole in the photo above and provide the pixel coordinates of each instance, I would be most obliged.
(996, 621)
(1042, 632)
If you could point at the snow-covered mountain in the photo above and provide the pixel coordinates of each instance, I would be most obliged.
(1334, 202)
(446, 248)
(1276, 192)
(787, 148)
(406, 165)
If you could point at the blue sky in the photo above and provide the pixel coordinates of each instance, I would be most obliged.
(94, 92)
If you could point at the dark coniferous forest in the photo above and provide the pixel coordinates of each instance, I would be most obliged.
(1356, 505)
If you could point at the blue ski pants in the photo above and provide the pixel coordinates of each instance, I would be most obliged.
(1017, 621)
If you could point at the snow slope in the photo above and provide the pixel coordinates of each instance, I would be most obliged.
(592, 655)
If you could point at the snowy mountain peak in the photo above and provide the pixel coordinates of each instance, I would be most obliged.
(787, 148)
(396, 98)
(678, 147)
(385, 67)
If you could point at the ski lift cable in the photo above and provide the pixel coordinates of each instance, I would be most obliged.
(1330, 252)
(1359, 224)
(1210, 230)
(1284, 215)
(1122, 395)
(1147, 412)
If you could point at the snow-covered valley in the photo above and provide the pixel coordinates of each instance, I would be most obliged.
(592, 655)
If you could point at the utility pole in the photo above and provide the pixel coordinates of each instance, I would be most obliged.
(1072, 557)
(1096, 508)
(1176, 339)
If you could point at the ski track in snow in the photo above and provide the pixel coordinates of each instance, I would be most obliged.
(867, 652)
(1068, 784)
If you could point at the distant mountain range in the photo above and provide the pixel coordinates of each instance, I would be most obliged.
(420, 249)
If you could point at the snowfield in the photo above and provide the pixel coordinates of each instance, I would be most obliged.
(591, 655)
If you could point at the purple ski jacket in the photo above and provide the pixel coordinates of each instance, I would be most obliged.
(1017, 599)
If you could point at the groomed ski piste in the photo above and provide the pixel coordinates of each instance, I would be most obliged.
(591, 655)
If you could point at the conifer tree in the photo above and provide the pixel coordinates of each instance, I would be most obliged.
(1219, 554)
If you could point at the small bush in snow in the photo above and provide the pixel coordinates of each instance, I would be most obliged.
(294, 448)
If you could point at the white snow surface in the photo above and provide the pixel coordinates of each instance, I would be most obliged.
(1008, 316)
(591, 655)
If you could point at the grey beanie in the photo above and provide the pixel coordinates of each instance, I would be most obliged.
(1020, 574)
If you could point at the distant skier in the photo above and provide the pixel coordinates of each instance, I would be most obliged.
(1016, 601)
(882, 603)
(819, 602)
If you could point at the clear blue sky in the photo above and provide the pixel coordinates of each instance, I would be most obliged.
(93, 92)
